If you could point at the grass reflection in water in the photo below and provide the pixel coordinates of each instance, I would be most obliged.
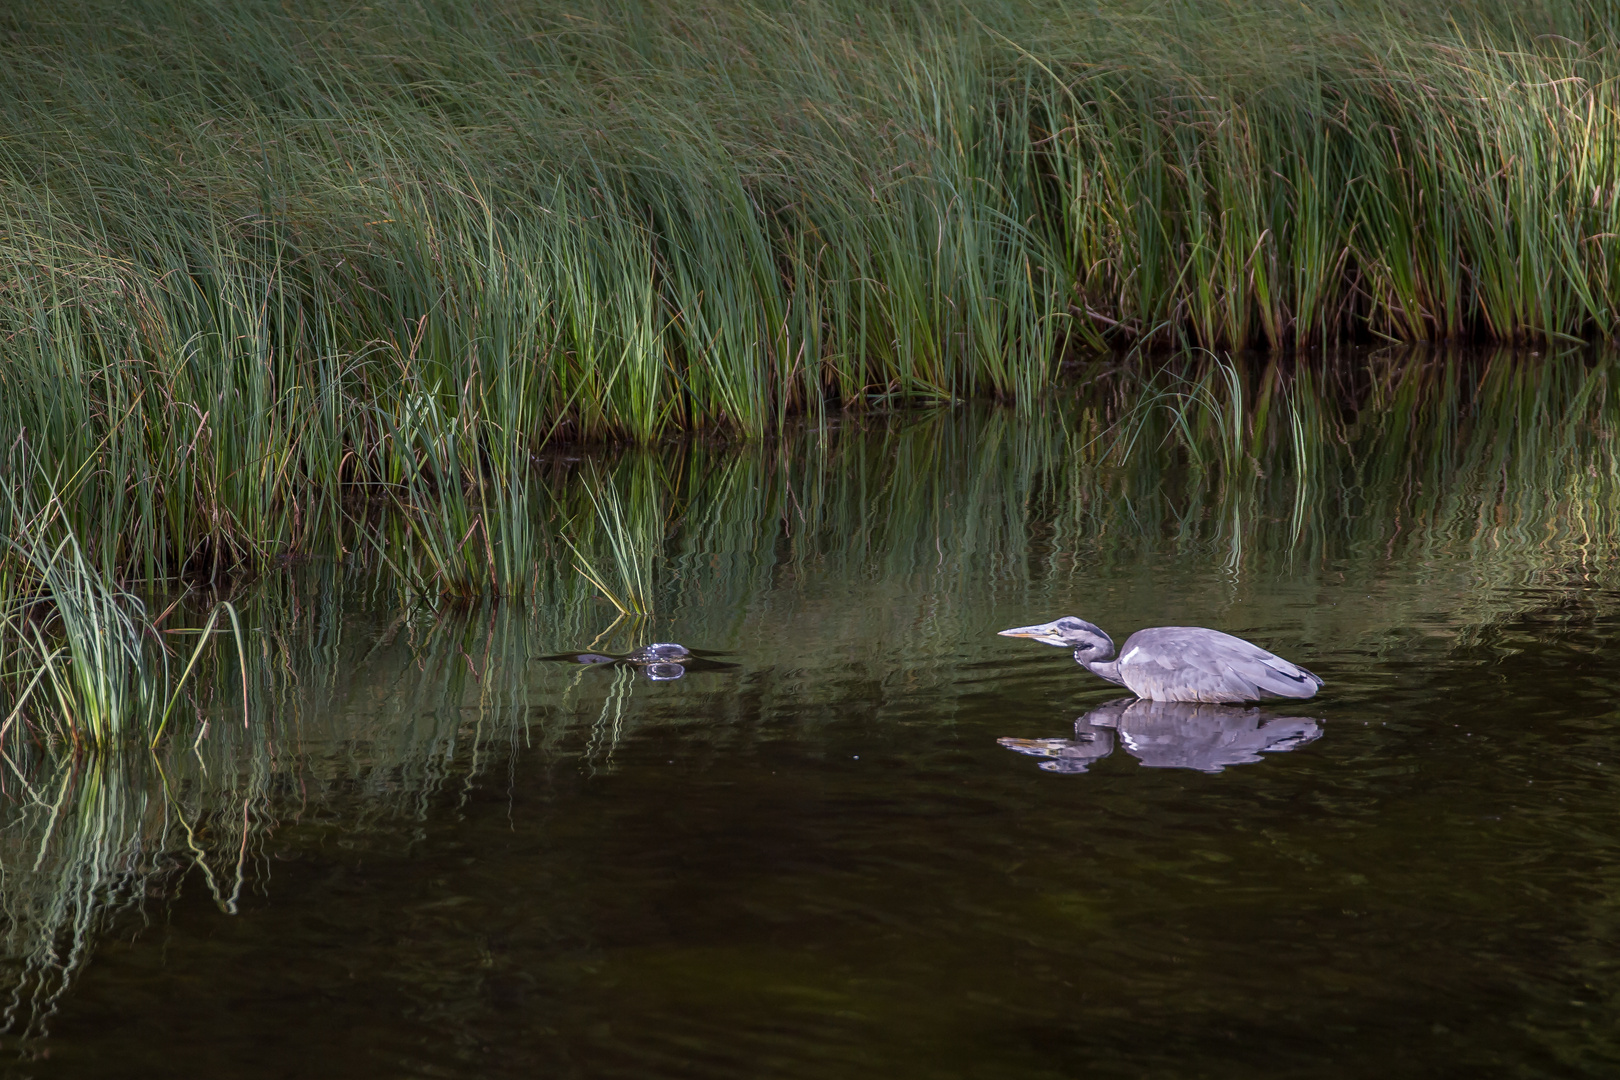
(374, 697)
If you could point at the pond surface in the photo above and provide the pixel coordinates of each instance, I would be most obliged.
(443, 857)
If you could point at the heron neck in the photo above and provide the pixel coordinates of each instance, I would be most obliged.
(1106, 669)
(1104, 666)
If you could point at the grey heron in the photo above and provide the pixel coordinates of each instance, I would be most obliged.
(1177, 663)
(1171, 735)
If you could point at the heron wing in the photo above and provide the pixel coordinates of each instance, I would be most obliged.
(1191, 663)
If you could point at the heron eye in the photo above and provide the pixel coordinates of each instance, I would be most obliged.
(1082, 647)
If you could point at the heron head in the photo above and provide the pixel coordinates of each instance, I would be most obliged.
(1069, 632)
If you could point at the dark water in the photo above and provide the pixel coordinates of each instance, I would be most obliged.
(446, 859)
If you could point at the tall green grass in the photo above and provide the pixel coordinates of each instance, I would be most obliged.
(264, 263)
(82, 662)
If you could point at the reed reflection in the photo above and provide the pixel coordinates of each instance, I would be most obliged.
(831, 560)
(1171, 735)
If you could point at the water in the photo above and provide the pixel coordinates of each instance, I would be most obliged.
(435, 855)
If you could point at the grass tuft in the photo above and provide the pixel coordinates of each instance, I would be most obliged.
(268, 266)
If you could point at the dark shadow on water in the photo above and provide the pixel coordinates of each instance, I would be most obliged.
(1171, 735)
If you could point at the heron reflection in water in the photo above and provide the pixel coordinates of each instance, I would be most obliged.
(1171, 735)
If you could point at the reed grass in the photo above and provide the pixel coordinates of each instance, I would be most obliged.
(262, 263)
(81, 661)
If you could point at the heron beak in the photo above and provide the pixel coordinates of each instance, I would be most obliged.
(1042, 633)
